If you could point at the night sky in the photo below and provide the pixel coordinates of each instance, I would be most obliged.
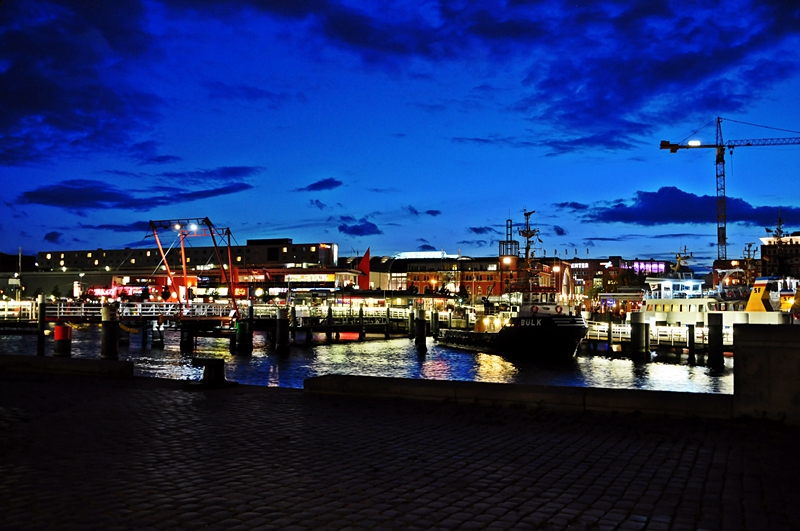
(397, 125)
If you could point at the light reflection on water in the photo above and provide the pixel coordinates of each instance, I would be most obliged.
(396, 358)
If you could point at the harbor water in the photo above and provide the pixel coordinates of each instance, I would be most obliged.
(397, 358)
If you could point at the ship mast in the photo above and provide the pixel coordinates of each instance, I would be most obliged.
(528, 233)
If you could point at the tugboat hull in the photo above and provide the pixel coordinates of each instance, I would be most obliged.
(545, 338)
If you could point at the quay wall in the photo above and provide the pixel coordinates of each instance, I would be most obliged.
(766, 371)
(555, 398)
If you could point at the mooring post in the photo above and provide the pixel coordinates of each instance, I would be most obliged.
(329, 324)
(158, 335)
(690, 343)
(187, 339)
(411, 326)
(362, 333)
(282, 332)
(640, 333)
(294, 325)
(435, 324)
(109, 333)
(715, 358)
(62, 340)
(42, 322)
(242, 342)
(145, 331)
(388, 328)
(419, 335)
(610, 337)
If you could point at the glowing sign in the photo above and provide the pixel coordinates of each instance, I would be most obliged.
(330, 277)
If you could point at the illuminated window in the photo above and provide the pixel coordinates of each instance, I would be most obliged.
(62, 255)
(188, 259)
(61, 263)
(284, 250)
(238, 258)
(48, 256)
(88, 255)
(97, 262)
(133, 260)
(148, 253)
(313, 248)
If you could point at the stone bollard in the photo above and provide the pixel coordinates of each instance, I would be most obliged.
(419, 332)
(282, 332)
(62, 340)
(109, 334)
(715, 358)
(640, 333)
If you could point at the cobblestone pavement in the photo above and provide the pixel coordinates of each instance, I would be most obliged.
(97, 454)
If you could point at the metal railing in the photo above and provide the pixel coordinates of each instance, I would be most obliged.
(659, 334)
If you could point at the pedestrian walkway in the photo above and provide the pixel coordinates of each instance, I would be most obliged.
(91, 453)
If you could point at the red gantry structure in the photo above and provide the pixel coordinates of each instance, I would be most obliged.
(197, 227)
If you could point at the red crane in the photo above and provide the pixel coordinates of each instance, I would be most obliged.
(721, 146)
(197, 227)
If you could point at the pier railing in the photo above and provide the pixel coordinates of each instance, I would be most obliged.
(659, 334)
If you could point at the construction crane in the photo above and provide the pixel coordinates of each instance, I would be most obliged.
(721, 146)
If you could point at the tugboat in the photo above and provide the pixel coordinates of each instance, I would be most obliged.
(528, 322)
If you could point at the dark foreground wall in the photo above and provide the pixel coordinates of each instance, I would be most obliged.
(766, 371)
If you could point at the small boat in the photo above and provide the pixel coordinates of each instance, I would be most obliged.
(529, 322)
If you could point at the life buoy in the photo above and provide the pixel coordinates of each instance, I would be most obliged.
(535, 309)
(559, 309)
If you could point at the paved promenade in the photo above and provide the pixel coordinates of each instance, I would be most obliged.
(92, 453)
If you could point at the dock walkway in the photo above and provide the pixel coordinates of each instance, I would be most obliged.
(145, 454)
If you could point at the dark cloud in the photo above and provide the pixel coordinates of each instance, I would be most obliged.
(221, 173)
(426, 247)
(483, 230)
(474, 243)
(560, 231)
(219, 90)
(147, 153)
(671, 205)
(415, 211)
(137, 226)
(325, 184)
(78, 195)
(361, 228)
(316, 203)
(572, 205)
(61, 80)
(53, 237)
(601, 76)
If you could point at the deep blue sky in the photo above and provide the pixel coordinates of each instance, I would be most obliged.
(396, 125)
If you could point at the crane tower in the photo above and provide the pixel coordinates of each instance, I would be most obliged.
(720, 146)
